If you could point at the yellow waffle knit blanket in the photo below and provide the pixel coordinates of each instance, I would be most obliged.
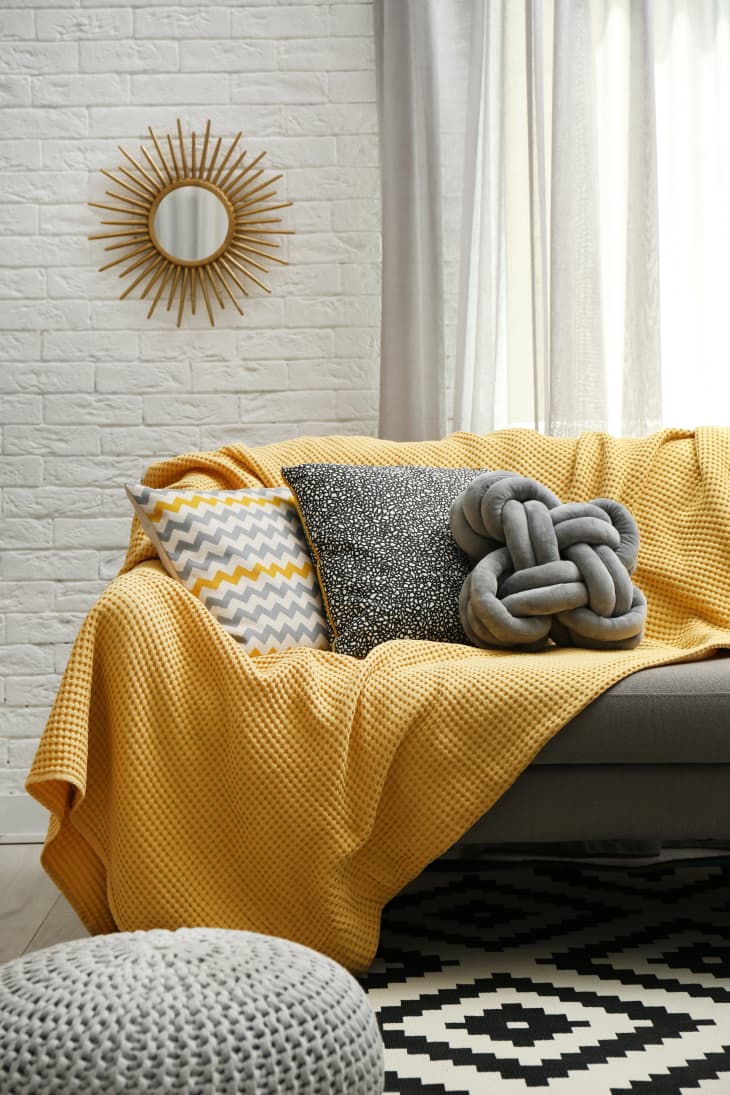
(295, 794)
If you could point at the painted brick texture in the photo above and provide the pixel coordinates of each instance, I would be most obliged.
(90, 391)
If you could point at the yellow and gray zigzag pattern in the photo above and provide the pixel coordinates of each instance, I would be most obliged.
(244, 554)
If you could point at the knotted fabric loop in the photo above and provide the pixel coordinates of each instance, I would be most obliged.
(544, 569)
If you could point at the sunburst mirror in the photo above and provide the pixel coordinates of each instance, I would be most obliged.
(197, 223)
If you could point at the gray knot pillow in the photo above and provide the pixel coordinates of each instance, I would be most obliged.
(546, 570)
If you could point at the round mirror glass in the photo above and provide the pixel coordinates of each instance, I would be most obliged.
(191, 223)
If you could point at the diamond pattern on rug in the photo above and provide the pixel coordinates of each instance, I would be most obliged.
(573, 978)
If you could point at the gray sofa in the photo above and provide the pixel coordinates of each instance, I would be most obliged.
(647, 762)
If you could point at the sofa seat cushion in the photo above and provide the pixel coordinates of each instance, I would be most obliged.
(674, 714)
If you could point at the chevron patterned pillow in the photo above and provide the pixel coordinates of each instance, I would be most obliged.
(244, 554)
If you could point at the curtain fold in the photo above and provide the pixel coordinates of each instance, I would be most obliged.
(412, 379)
(642, 382)
(481, 325)
(537, 143)
(577, 397)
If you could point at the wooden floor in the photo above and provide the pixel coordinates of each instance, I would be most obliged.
(33, 914)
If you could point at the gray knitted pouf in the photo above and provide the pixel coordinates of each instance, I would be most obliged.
(198, 1010)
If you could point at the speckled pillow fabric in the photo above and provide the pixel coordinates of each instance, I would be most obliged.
(244, 554)
(386, 561)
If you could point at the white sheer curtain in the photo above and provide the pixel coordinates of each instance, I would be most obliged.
(581, 154)
(412, 394)
(692, 66)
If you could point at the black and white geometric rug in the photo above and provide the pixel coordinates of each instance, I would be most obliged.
(580, 979)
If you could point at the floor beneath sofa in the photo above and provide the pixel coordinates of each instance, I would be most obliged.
(33, 914)
(515, 976)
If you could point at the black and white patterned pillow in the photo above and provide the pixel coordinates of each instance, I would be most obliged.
(386, 561)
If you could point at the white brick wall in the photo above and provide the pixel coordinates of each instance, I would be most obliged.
(90, 391)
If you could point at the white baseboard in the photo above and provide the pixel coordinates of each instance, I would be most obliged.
(22, 820)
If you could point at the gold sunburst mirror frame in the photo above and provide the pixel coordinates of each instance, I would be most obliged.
(192, 222)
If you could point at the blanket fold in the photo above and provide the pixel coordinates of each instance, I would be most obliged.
(295, 794)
